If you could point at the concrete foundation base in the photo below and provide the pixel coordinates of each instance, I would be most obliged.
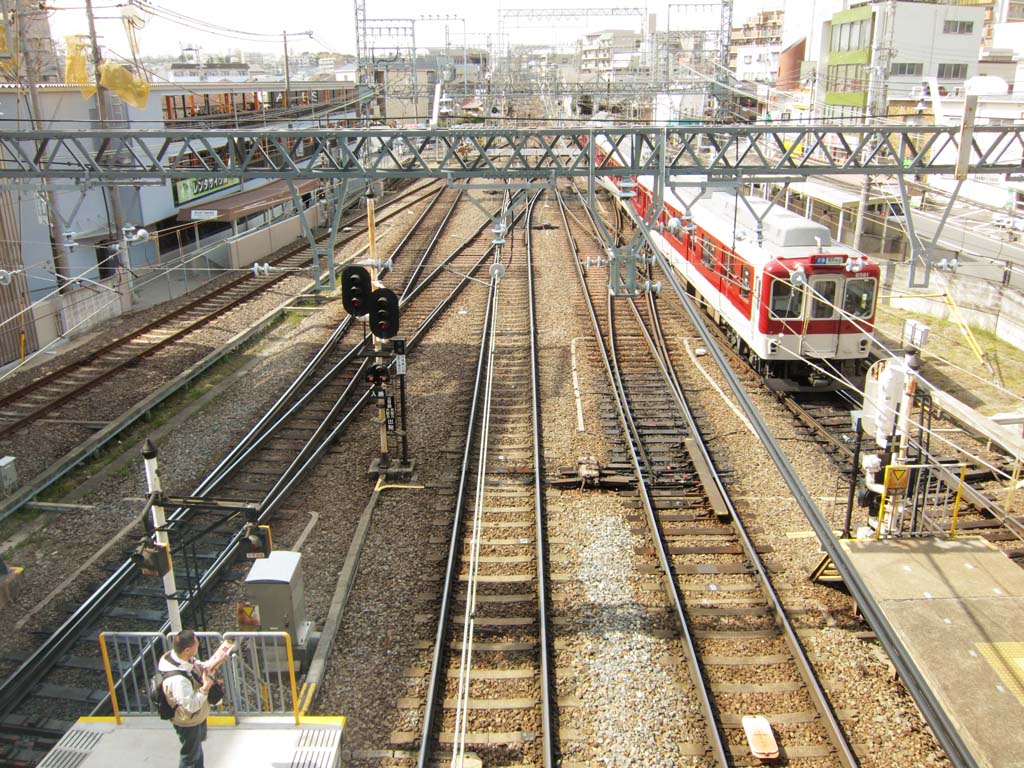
(9, 585)
(394, 471)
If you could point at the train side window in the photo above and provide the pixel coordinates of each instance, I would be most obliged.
(707, 254)
(786, 300)
(727, 262)
(824, 299)
(860, 297)
(745, 282)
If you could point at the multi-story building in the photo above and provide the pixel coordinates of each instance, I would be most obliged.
(877, 51)
(598, 50)
(210, 72)
(195, 226)
(755, 45)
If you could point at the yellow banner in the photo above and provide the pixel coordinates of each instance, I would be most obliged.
(9, 62)
(75, 70)
(131, 88)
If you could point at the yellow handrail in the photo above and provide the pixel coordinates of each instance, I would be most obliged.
(110, 676)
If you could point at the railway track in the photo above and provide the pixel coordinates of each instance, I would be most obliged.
(115, 387)
(488, 692)
(742, 651)
(281, 449)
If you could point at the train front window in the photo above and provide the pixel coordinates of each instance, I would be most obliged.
(860, 297)
(824, 299)
(787, 300)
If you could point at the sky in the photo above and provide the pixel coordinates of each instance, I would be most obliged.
(257, 25)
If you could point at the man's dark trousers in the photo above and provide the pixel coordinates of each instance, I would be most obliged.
(191, 745)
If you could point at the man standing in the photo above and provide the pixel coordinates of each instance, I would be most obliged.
(187, 682)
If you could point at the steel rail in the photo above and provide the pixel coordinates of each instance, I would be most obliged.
(819, 698)
(547, 714)
(430, 714)
(13, 395)
(25, 678)
(715, 741)
(287, 404)
(312, 452)
(931, 709)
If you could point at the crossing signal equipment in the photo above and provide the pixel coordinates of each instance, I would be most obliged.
(258, 539)
(355, 290)
(383, 313)
(153, 559)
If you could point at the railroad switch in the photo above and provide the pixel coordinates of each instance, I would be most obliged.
(588, 473)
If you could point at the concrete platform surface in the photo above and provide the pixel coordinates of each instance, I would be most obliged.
(958, 606)
(255, 742)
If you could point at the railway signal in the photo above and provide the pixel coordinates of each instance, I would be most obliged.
(383, 313)
(153, 559)
(258, 539)
(356, 290)
(378, 375)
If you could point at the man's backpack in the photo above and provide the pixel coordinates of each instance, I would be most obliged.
(158, 698)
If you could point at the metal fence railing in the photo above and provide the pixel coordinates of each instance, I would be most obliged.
(259, 675)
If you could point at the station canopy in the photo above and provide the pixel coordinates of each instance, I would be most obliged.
(247, 203)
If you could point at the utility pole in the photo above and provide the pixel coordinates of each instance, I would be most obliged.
(287, 73)
(103, 109)
(878, 91)
(60, 262)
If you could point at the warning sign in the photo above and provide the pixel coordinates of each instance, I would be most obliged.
(897, 477)
(248, 616)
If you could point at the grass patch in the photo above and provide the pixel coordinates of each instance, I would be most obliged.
(950, 363)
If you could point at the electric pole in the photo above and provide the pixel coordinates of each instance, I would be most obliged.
(878, 90)
(60, 262)
(287, 72)
(102, 108)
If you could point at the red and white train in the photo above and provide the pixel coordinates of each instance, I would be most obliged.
(799, 306)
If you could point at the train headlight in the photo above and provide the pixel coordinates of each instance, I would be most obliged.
(773, 347)
(798, 277)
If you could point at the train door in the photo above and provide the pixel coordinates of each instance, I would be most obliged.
(822, 336)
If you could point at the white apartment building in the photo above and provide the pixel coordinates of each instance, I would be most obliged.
(755, 46)
(598, 50)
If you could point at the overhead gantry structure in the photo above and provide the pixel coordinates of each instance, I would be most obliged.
(674, 157)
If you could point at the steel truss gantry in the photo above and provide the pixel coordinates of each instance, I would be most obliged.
(736, 153)
(693, 157)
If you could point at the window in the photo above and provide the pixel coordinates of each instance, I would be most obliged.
(846, 78)
(860, 297)
(747, 59)
(707, 255)
(952, 71)
(953, 27)
(914, 70)
(824, 299)
(787, 300)
(745, 282)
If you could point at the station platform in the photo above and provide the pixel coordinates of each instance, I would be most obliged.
(958, 607)
(267, 741)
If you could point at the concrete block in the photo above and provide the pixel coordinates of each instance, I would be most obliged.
(9, 585)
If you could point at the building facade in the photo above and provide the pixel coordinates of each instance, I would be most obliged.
(599, 51)
(755, 46)
(885, 50)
